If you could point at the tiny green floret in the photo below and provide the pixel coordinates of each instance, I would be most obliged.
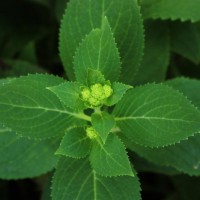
(94, 102)
(91, 133)
(85, 93)
(107, 91)
(97, 91)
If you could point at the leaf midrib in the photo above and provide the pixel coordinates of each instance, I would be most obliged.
(43, 108)
(152, 118)
(110, 156)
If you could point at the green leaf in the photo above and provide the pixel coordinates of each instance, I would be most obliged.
(98, 51)
(75, 144)
(74, 179)
(156, 115)
(23, 158)
(185, 40)
(4, 81)
(170, 9)
(93, 77)
(156, 52)
(69, 94)
(126, 23)
(110, 159)
(103, 123)
(119, 89)
(188, 87)
(30, 109)
(183, 156)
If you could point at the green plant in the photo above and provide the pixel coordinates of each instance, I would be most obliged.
(83, 127)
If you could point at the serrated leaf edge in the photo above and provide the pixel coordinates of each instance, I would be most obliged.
(143, 31)
(130, 87)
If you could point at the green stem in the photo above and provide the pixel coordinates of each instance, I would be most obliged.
(97, 110)
(83, 116)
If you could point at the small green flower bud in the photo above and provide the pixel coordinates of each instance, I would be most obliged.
(107, 91)
(85, 93)
(91, 133)
(94, 102)
(97, 91)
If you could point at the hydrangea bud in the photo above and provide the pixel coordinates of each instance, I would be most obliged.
(97, 91)
(107, 91)
(85, 93)
(91, 133)
(95, 95)
(94, 102)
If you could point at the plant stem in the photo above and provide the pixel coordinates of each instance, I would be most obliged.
(97, 110)
(83, 116)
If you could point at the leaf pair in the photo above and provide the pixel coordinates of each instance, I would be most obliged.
(107, 159)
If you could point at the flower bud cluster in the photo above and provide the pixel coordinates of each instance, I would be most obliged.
(96, 94)
(91, 133)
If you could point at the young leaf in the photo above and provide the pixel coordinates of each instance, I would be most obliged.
(156, 52)
(98, 51)
(126, 23)
(170, 9)
(69, 94)
(74, 179)
(23, 158)
(119, 89)
(30, 109)
(103, 123)
(94, 76)
(156, 115)
(75, 143)
(183, 156)
(110, 159)
(185, 40)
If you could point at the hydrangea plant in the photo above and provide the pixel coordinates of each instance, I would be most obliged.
(83, 126)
